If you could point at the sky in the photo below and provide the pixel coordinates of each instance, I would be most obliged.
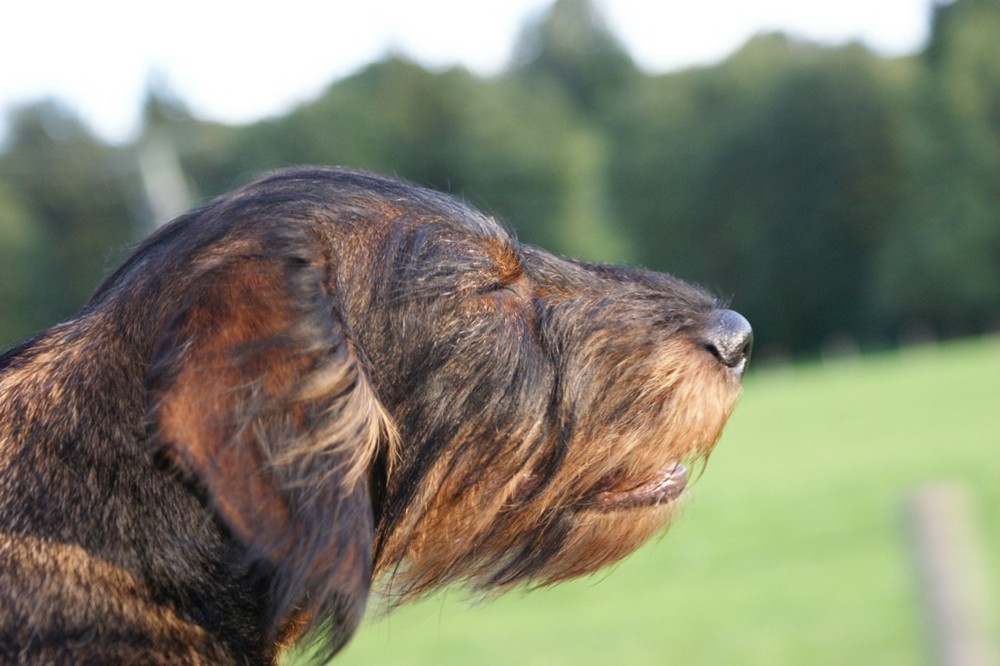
(237, 60)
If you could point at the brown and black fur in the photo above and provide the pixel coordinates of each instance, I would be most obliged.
(322, 382)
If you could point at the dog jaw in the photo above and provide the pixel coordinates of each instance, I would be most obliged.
(556, 405)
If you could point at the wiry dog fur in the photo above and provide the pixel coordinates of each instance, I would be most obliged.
(320, 380)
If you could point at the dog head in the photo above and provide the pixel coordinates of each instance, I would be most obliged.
(368, 379)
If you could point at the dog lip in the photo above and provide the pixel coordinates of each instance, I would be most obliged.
(665, 487)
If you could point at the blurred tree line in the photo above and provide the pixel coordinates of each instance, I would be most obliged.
(831, 193)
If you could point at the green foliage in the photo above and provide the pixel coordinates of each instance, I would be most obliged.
(942, 266)
(19, 278)
(69, 201)
(832, 193)
(490, 141)
(572, 49)
(793, 548)
(770, 177)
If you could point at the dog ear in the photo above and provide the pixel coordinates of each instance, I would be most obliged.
(255, 388)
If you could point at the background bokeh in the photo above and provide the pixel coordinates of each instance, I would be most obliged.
(846, 201)
(842, 199)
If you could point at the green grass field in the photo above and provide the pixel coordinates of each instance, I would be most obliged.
(793, 549)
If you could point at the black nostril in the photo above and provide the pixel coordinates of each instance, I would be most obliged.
(729, 337)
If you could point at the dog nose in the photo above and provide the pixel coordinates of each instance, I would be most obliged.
(729, 338)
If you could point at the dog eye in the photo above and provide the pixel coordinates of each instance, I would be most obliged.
(495, 287)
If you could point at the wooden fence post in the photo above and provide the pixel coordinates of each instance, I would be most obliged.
(955, 583)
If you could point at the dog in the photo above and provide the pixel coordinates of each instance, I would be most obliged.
(329, 380)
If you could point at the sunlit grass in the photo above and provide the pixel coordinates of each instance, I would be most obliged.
(793, 549)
